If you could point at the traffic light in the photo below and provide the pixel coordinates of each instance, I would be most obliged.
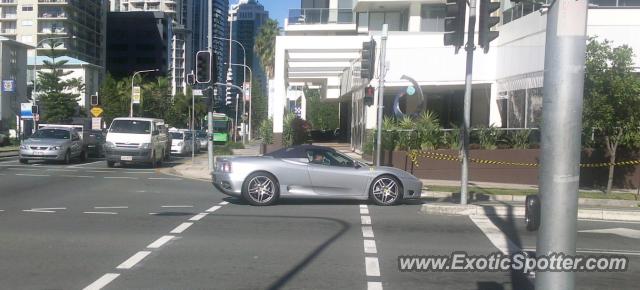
(34, 110)
(369, 92)
(368, 59)
(203, 67)
(94, 100)
(454, 23)
(191, 80)
(485, 35)
(227, 99)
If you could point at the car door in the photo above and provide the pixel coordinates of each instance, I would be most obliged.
(336, 175)
(76, 144)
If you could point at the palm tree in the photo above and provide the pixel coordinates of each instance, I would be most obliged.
(265, 46)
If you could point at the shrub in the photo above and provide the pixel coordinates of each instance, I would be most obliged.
(451, 139)
(389, 133)
(406, 128)
(296, 130)
(488, 137)
(519, 139)
(266, 131)
(429, 133)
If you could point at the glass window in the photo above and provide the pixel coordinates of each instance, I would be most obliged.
(629, 3)
(376, 19)
(516, 105)
(27, 7)
(51, 134)
(394, 20)
(329, 158)
(130, 126)
(177, 135)
(534, 108)
(432, 18)
(363, 19)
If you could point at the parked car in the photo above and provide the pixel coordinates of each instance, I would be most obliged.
(308, 171)
(202, 138)
(95, 143)
(180, 143)
(135, 140)
(53, 143)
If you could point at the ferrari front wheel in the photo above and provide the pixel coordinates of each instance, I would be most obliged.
(260, 189)
(385, 190)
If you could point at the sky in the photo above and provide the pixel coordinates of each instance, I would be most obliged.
(279, 9)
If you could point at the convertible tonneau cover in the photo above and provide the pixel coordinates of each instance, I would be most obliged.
(299, 151)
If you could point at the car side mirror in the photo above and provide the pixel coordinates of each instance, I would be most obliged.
(357, 165)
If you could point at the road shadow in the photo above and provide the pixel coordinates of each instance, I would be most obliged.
(321, 201)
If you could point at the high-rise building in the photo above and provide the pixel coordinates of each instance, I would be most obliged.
(221, 47)
(179, 11)
(33, 21)
(246, 19)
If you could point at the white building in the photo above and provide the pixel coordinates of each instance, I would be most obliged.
(88, 73)
(322, 43)
(13, 77)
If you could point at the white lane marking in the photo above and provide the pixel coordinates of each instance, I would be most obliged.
(49, 208)
(363, 206)
(171, 206)
(365, 219)
(198, 216)
(139, 172)
(374, 285)
(367, 232)
(83, 164)
(102, 281)
(28, 169)
(65, 170)
(370, 247)
(623, 232)
(78, 176)
(32, 175)
(33, 210)
(159, 242)
(100, 212)
(45, 209)
(213, 208)
(371, 266)
(99, 171)
(224, 203)
(133, 260)
(495, 235)
(163, 178)
(364, 211)
(181, 228)
(120, 177)
(109, 207)
(1, 209)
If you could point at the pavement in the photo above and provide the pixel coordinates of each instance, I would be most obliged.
(88, 226)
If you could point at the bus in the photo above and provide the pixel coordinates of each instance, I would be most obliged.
(222, 126)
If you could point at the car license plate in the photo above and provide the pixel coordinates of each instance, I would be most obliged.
(38, 153)
(126, 158)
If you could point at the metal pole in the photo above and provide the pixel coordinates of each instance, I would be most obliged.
(236, 128)
(466, 124)
(560, 136)
(210, 109)
(193, 132)
(381, 74)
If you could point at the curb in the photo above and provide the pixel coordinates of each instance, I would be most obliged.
(9, 153)
(518, 211)
(446, 196)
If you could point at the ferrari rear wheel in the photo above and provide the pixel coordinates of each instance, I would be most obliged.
(385, 190)
(260, 189)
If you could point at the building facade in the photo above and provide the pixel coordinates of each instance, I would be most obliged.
(139, 41)
(13, 75)
(33, 21)
(322, 48)
(247, 18)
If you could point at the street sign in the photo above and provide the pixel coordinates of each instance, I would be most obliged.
(96, 123)
(96, 112)
(197, 93)
(8, 86)
(136, 95)
(25, 111)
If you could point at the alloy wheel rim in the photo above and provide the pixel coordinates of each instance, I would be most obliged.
(385, 190)
(261, 189)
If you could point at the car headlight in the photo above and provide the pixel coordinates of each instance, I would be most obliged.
(55, 147)
(109, 144)
(145, 145)
(22, 146)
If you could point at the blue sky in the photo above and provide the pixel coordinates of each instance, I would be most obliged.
(279, 9)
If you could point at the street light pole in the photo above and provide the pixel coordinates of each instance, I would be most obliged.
(244, 71)
(466, 121)
(381, 75)
(132, 79)
(244, 111)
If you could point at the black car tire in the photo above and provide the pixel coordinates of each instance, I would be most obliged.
(84, 155)
(264, 177)
(392, 183)
(67, 157)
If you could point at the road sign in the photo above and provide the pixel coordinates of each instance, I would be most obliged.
(25, 111)
(96, 123)
(96, 112)
(136, 95)
(8, 86)
(197, 93)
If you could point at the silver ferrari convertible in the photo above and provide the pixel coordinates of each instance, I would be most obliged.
(308, 171)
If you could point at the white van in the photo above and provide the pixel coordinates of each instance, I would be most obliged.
(136, 140)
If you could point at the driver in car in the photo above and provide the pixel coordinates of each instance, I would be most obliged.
(318, 158)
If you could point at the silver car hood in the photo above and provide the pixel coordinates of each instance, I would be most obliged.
(47, 142)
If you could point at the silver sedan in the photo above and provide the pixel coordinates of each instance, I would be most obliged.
(53, 143)
(308, 171)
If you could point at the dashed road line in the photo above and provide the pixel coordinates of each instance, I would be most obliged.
(160, 241)
(371, 262)
(139, 172)
(370, 247)
(109, 207)
(102, 281)
(181, 228)
(33, 210)
(176, 206)
(367, 232)
(45, 209)
(78, 176)
(224, 203)
(213, 208)
(99, 212)
(133, 260)
(365, 220)
(164, 178)
(83, 164)
(198, 216)
(64, 170)
(119, 177)
(372, 267)
(374, 286)
(99, 171)
(364, 211)
(25, 169)
(33, 175)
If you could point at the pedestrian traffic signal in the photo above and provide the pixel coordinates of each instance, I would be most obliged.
(368, 59)
(94, 100)
(227, 99)
(203, 67)
(485, 34)
(191, 79)
(34, 110)
(369, 91)
(454, 22)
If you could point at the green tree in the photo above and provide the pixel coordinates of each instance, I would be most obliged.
(258, 105)
(156, 98)
(55, 95)
(115, 98)
(265, 46)
(611, 97)
(321, 115)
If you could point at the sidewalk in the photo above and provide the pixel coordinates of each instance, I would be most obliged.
(199, 169)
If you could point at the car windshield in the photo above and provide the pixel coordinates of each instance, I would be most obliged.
(51, 134)
(177, 135)
(130, 127)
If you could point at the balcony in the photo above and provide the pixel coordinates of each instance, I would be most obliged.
(14, 2)
(53, 1)
(8, 31)
(320, 16)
